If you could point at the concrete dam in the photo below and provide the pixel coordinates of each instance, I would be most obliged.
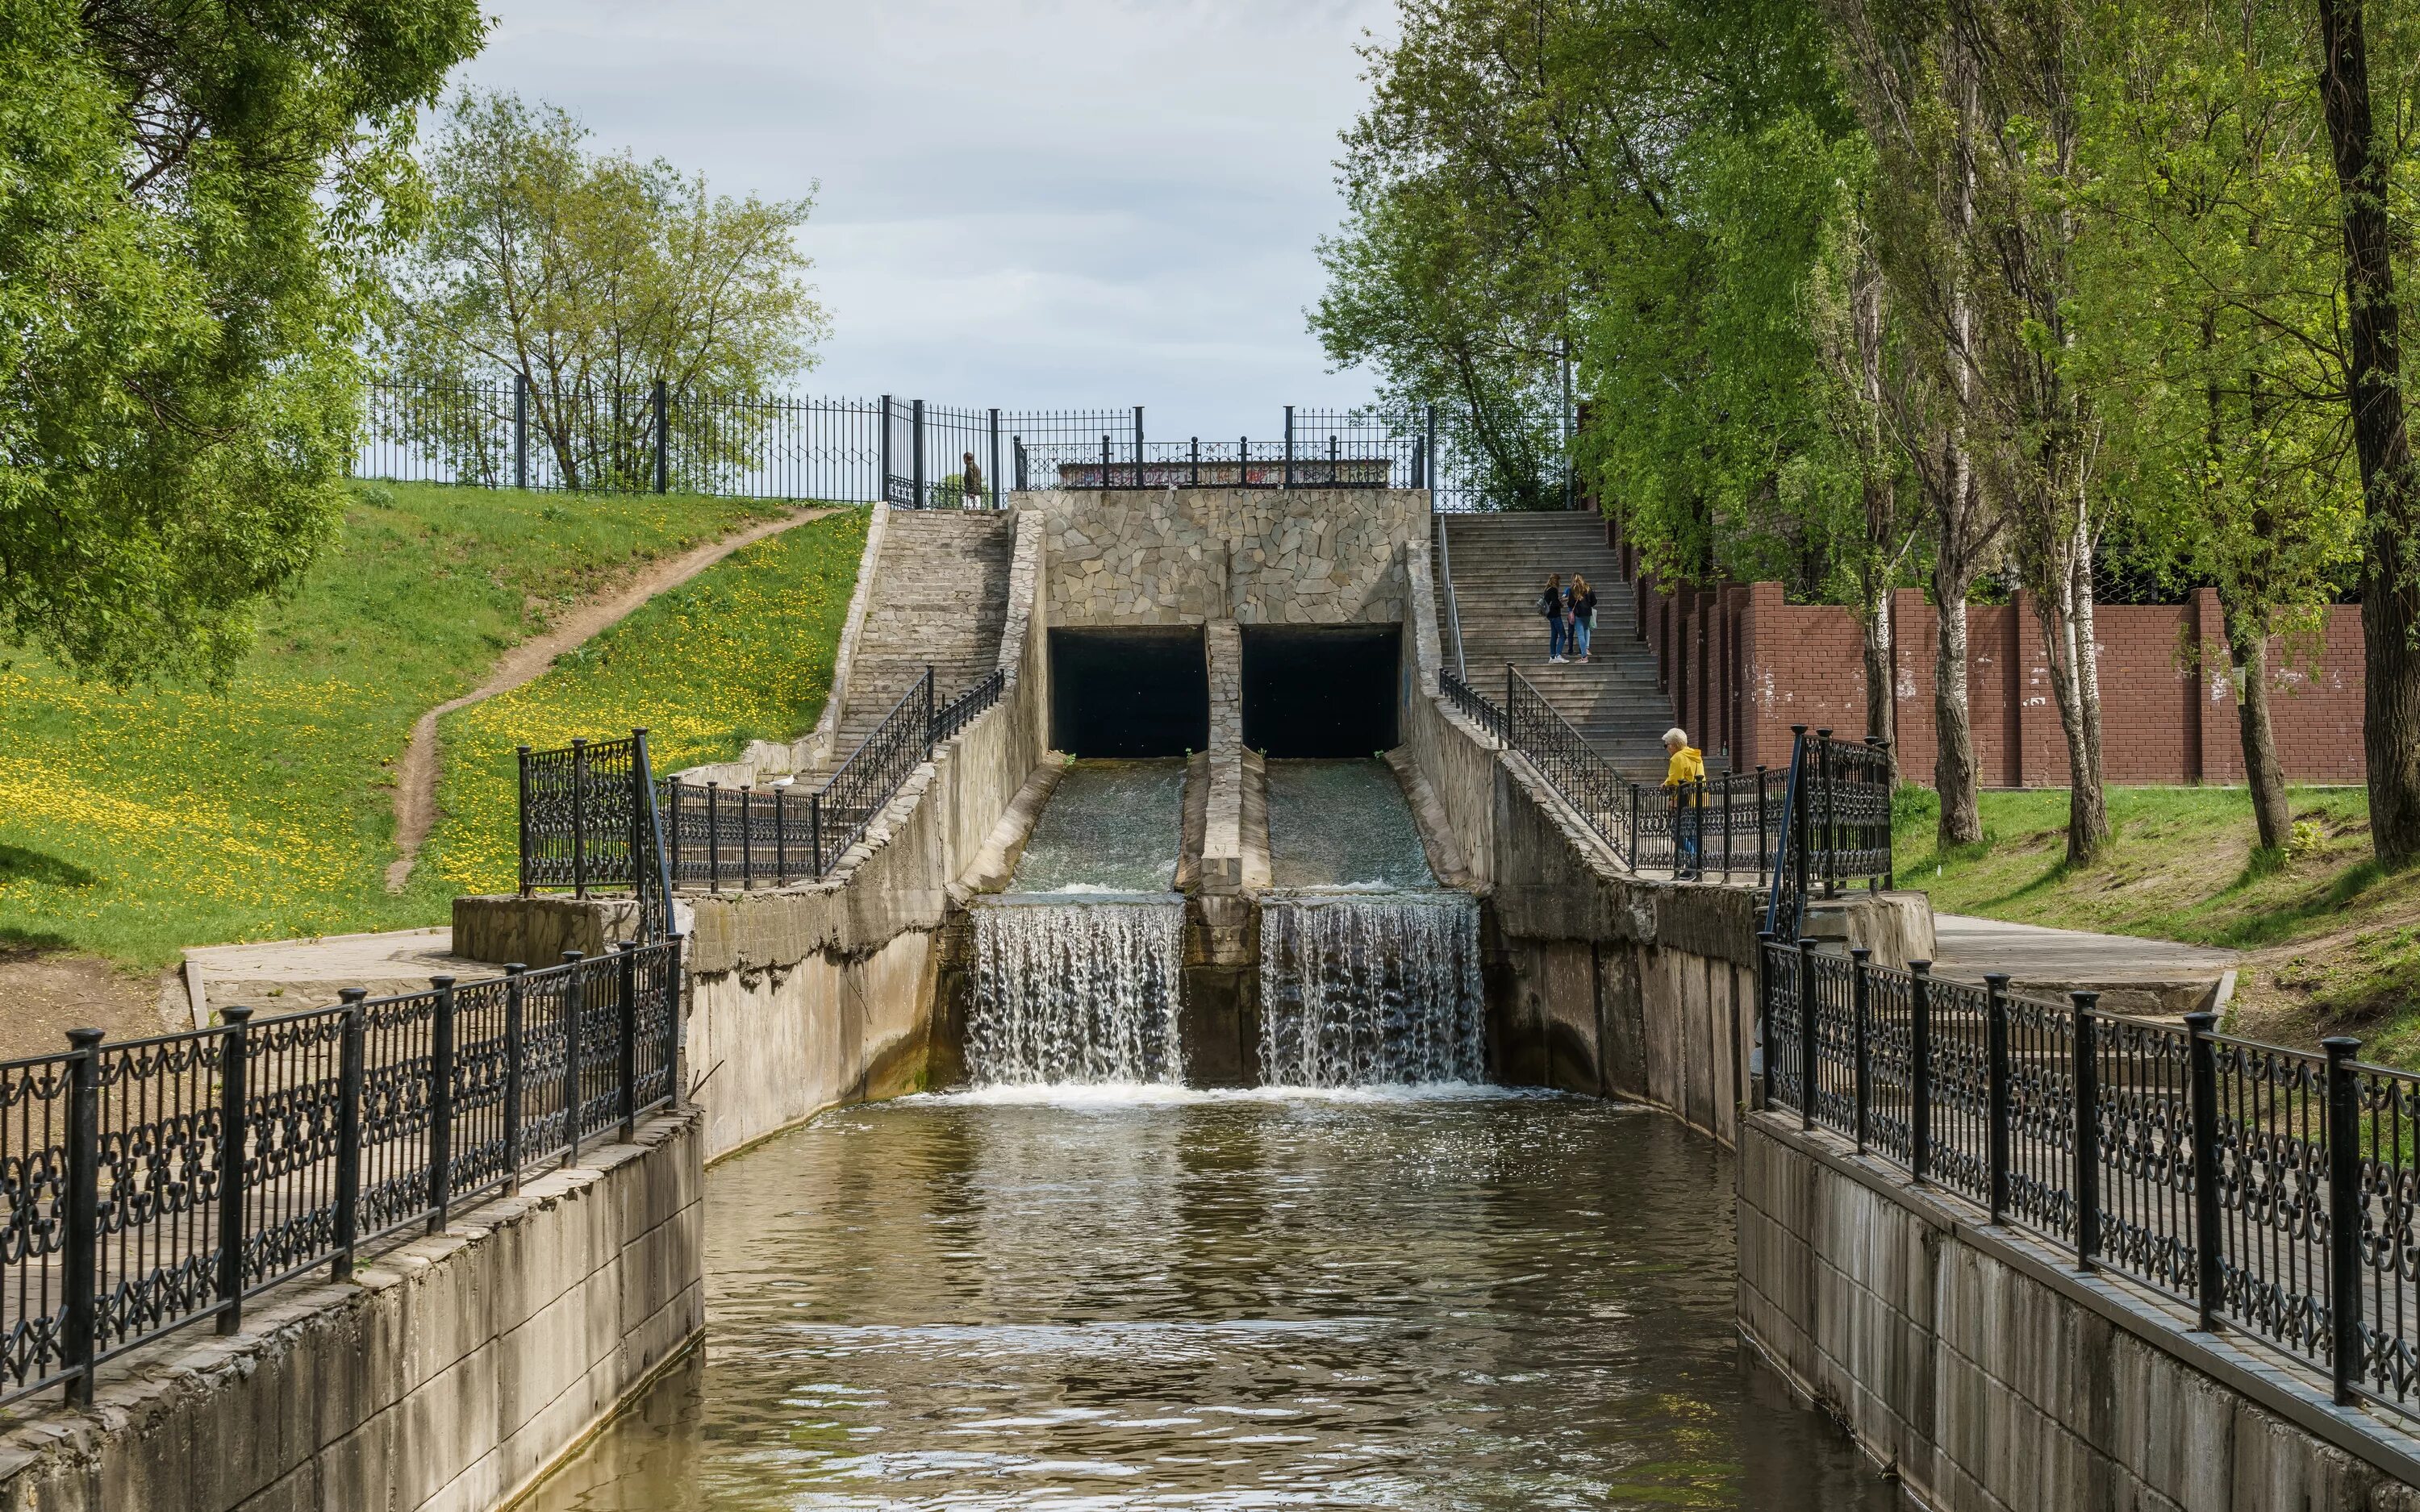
(1198, 1028)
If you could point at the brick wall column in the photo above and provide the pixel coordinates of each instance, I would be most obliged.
(2214, 727)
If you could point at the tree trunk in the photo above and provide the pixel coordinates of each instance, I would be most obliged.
(2390, 598)
(2087, 815)
(1880, 635)
(2247, 646)
(2087, 821)
(1953, 757)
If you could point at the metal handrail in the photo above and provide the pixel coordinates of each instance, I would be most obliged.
(1453, 605)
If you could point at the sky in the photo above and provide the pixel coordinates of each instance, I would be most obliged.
(1087, 204)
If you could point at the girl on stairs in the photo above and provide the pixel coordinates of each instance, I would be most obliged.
(1550, 604)
(1583, 616)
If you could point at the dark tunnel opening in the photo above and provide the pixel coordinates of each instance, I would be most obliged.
(1320, 690)
(1142, 691)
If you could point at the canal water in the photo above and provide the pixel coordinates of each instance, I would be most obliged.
(1148, 1297)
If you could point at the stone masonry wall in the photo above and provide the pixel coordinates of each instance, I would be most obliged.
(448, 1376)
(1992, 1378)
(1259, 556)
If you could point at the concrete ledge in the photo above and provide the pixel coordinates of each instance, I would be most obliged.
(1987, 1372)
(452, 1372)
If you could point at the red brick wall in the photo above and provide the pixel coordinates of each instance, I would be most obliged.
(1742, 665)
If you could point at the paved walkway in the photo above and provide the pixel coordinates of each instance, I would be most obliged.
(2133, 975)
(288, 976)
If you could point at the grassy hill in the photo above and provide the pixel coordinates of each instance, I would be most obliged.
(135, 823)
(2331, 939)
(743, 651)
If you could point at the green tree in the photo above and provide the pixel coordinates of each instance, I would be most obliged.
(592, 277)
(192, 200)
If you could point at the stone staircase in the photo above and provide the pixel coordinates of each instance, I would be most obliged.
(1500, 563)
(939, 598)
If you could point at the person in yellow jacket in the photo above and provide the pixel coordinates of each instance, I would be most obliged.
(1686, 775)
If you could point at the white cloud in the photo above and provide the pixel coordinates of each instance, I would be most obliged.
(1021, 203)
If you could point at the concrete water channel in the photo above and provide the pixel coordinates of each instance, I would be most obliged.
(1078, 1283)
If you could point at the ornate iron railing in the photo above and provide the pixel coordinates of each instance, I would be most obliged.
(152, 1183)
(2275, 1192)
(589, 819)
(713, 836)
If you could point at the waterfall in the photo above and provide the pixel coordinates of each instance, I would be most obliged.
(1370, 988)
(1077, 992)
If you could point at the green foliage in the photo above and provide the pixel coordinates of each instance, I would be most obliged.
(593, 276)
(136, 823)
(192, 197)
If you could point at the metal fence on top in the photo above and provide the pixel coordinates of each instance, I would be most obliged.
(508, 432)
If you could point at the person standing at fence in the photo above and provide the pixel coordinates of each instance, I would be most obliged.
(971, 475)
(1550, 604)
(1583, 616)
(1684, 777)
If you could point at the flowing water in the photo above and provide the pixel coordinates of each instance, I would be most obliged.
(1365, 988)
(1369, 970)
(1076, 966)
(1076, 992)
(1161, 1299)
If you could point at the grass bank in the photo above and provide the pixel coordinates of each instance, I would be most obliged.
(2331, 939)
(135, 823)
(742, 652)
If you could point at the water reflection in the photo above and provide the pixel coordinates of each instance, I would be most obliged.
(1368, 1300)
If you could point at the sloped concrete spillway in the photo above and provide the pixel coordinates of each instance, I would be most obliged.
(1369, 970)
(1077, 966)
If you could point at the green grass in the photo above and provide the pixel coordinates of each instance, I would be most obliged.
(135, 823)
(741, 652)
(2333, 939)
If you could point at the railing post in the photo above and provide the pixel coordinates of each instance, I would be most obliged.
(747, 836)
(1195, 476)
(916, 419)
(1636, 850)
(235, 1064)
(1763, 839)
(1726, 823)
(675, 1027)
(2210, 1273)
(80, 1218)
(580, 818)
(349, 1133)
(1860, 985)
(640, 806)
(1428, 450)
(1138, 430)
(713, 836)
(575, 1015)
(780, 836)
(515, 1067)
(661, 402)
(815, 832)
(1764, 1018)
(882, 447)
(1995, 1043)
(520, 431)
(1889, 876)
(626, 1066)
(2347, 1209)
(1831, 830)
(1806, 1034)
(1289, 446)
(524, 818)
(1919, 1072)
(441, 1105)
(1799, 822)
(2084, 1074)
(994, 474)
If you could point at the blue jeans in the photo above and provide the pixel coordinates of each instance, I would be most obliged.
(1555, 635)
(1688, 826)
(1580, 629)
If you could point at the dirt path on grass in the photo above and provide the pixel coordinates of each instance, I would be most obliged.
(416, 783)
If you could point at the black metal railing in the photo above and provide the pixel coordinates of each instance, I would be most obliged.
(1733, 824)
(152, 1183)
(589, 820)
(742, 836)
(504, 432)
(2273, 1190)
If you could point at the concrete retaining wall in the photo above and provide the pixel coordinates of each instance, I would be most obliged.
(449, 1373)
(1992, 1378)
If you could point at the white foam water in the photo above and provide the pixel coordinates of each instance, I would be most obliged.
(1080, 993)
(1363, 989)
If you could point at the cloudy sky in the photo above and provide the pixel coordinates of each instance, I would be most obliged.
(1022, 203)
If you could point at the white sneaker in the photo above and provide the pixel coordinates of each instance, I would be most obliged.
(1553, 661)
